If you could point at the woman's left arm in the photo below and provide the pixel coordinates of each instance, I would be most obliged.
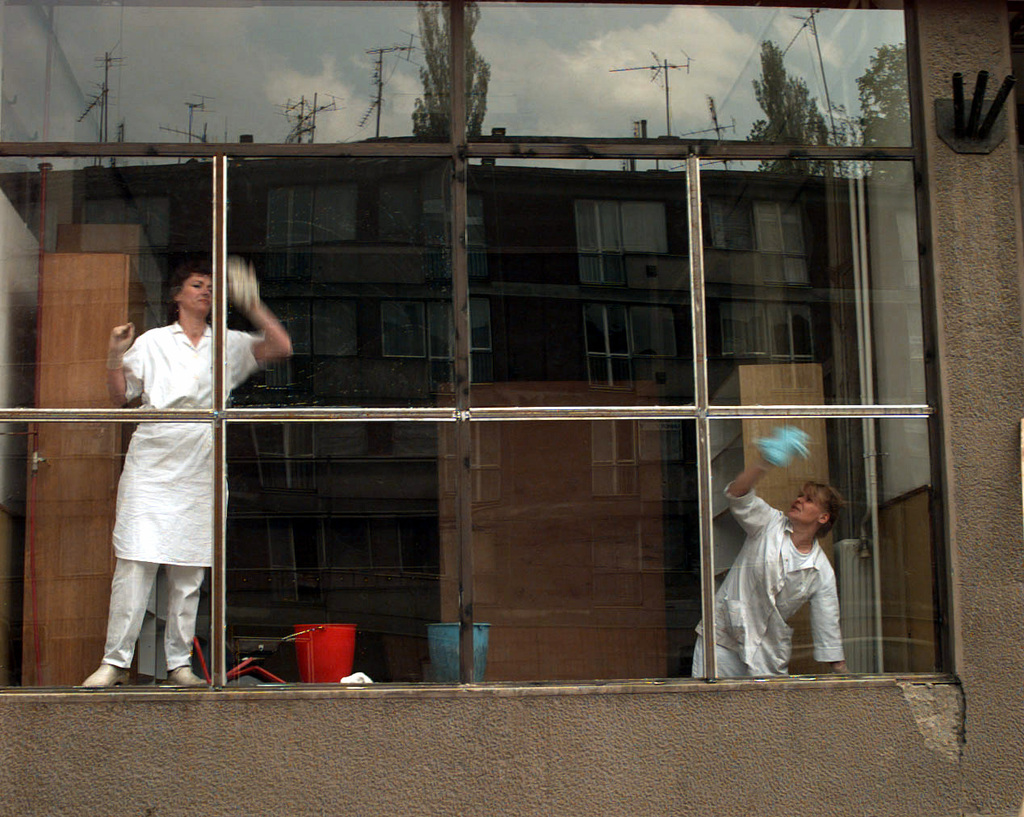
(276, 344)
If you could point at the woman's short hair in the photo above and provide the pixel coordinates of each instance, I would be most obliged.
(828, 499)
(179, 275)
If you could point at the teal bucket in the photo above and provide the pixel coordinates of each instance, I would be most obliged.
(443, 641)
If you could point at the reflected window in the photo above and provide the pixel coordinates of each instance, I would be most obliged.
(607, 230)
(403, 328)
(607, 336)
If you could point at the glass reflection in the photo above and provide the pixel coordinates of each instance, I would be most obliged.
(799, 76)
(353, 256)
(579, 285)
(60, 487)
(586, 565)
(87, 247)
(877, 561)
(299, 72)
(338, 523)
(812, 283)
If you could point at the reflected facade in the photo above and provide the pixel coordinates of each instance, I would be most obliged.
(519, 382)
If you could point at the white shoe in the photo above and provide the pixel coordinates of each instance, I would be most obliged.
(107, 676)
(184, 677)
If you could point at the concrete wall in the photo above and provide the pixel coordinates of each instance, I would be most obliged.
(734, 750)
(976, 229)
(796, 748)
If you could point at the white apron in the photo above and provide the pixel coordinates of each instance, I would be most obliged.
(165, 495)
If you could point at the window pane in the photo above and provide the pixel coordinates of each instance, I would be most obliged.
(62, 511)
(825, 306)
(334, 524)
(361, 290)
(716, 71)
(586, 565)
(266, 72)
(588, 284)
(88, 246)
(878, 613)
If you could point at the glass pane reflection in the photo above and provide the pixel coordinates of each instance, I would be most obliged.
(579, 285)
(587, 564)
(799, 76)
(338, 523)
(156, 71)
(88, 246)
(353, 257)
(812, 283)
(882, 549)
(60, 486)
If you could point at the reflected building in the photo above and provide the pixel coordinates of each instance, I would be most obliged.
(585, 532)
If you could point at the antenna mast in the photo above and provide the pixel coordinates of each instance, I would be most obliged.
(661, 68)
(378, 78)
(102, 98)
(302, 115)
(192, 108)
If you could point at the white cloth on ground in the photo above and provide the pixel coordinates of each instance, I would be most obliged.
(769, 581)
(164, 497)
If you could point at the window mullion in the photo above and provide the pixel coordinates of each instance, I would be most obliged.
(700, 374)
(460, 314)
(218, 596)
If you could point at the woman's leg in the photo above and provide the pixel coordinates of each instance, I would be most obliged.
(129, 595)
(182, 605)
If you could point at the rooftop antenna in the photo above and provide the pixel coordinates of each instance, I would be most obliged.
(192, 108)
(378, 77)
(809, 23)
(302, 116)
(661, 68)
(102, 97)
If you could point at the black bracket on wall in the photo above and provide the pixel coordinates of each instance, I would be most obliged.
(984, 127)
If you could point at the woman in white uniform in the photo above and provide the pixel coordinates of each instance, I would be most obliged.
(164, 514)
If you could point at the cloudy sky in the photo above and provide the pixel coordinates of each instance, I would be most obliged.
(551, 67)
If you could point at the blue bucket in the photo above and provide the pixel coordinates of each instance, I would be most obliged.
(443, 641)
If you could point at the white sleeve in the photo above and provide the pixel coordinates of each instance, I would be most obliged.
(828, 640)
(241, 362)
(134, 365)
(752, 512)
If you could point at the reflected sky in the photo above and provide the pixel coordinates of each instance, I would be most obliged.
(219, 72)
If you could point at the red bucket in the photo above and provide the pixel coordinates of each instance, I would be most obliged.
(325, 652)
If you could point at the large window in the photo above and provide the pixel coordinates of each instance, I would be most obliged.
(525, 362)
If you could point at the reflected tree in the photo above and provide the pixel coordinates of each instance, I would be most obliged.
(884, 97)
(791, 116)
(430, 115)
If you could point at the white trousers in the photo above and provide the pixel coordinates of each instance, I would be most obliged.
(129, 594)
(727, 663)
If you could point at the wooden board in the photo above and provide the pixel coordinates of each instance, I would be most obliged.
(68, 554)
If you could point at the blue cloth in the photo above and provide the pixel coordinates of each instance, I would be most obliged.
(785, 443)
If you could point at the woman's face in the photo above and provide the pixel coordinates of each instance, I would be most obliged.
(196, 295)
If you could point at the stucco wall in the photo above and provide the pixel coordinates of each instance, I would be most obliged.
(976, 227)
(838, 748)
(799, 749)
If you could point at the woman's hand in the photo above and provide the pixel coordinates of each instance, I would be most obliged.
(121, 338)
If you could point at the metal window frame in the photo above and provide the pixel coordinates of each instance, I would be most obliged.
(460, 151)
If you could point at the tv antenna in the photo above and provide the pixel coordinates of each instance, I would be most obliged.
(102, 98)
(809, 24)
(192, 108)
(378, 78)
(661, 68)
(302, 116)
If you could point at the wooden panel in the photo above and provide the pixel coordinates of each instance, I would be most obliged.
(68, 555)
(908, 605)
